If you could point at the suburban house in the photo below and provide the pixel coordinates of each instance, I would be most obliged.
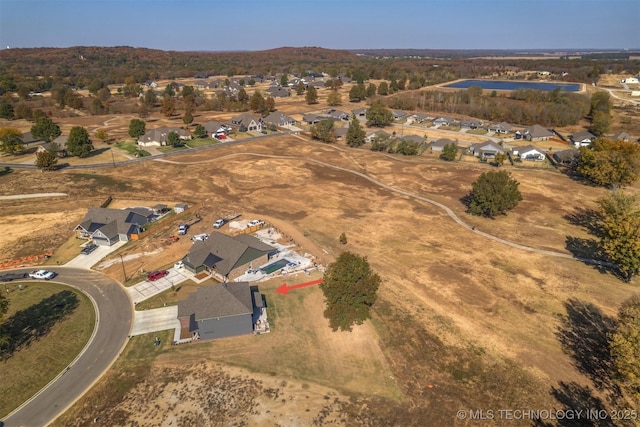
(537, 133)
(566, 157)
(622, 136)
(399, 115)
(214, 128)
(107, 226)
(344, 78)
(220, 311)
(337, 115)
(413, 138)
(439, 144)
(471, 124)
(379, 135)
(227, 257)
(582, 139)
(528, 153)
(502, 128)
(486, 150)
(159, 136)
(443, 121)
(180, 207)
(61, 151)
(311, 119)
(280, 119)
(252, 122)
(29, 139)
(420, 117)
(278, 92)
(360, 113)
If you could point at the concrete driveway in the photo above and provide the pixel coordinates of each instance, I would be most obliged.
(145, 290)
(88, 261)
(156, 320)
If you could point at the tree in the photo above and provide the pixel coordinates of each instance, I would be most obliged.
(150, 98)
(137, 128)
(187, 119)
(449, 152)
(343, 239)
(200, 132)
(625, 348)
(600, 102)
(173, 139)
(11, 140)
(45, 129)
(47, 160)
(610, 163)
(379, 115)
(355, 133)
(620, 232)
(102, 135)
(269, 104)
(257, 102)
(243, 97)
(4, 307)
(284, 80)
(312, 95)
(350, 288)
(6, 110)
(323, 131)
(334, 99)
(493, 193)
(383, 88)
(500, 158)
(168, 107)
(300, 88)
(600, 123)
(357, 93)
(371, 90)
(78, 143)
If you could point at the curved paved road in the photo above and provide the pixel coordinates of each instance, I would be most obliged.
(114, 316)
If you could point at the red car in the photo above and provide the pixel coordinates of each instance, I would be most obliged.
(155, 275)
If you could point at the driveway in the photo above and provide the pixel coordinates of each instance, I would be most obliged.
(156, 320)
(146, 289)
(89, 260)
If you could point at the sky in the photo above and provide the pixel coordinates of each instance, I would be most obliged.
(213, 25)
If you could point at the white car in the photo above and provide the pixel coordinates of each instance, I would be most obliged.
(178, 265)
(255, 222)
(42, 274)
(200, 237)
(219, 223)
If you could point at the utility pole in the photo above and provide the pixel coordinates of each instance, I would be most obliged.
(124, 272)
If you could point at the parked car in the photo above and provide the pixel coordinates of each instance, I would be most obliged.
(42, 274)
(178, 265)
(88, 249)
(200, 237)
(255, 222)
(182, 229)
(155, 275)
(219, 223)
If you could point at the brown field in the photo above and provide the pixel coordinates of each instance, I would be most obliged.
(461, 322)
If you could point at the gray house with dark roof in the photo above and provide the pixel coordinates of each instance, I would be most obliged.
(537, 133)
(280, 119)
(160, 136)
(582, 138)
(227, 257)
(220, 311)
(107, 226)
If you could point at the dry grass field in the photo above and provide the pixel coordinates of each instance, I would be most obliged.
(462, 321)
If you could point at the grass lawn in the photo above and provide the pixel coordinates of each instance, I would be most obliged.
(131, 148)
(60, 343)
(201, 142)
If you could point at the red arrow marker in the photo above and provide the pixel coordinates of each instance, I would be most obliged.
(284, 289)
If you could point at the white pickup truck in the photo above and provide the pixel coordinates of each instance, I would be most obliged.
(42, 274)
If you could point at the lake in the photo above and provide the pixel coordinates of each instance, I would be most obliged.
(514, 85)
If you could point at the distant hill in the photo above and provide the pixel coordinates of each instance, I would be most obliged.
(119, 62)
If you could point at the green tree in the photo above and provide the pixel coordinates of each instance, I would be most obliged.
(323, 131)
(379, 115)
(187, 119)
(137, 128)
(312, 95)
(79, 144)
(625, 348)
(357, 93)
(620, 232)
(45, 129)
(300, 88)
(407, 148)
(449, 152)
(383, 89)
(47, 160)
(610, 163)
(150, 98)
(494, 193)
(173, 139)
(11, 140)
(350, 288)
(600, 102)
(102, 135)
(334, 99)
(355, 133)
(6, 110)
(371, 90)
(500, 159)
(200, 132)
(168, 107)
(600, 123)
(343, 239)
(257, 102)
(242, 96)
(284, 80)
(23, 111)
(269, 104)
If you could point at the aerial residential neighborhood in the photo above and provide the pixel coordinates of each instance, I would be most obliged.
(223, 234)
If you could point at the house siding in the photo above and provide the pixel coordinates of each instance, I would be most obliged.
(240, 270)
